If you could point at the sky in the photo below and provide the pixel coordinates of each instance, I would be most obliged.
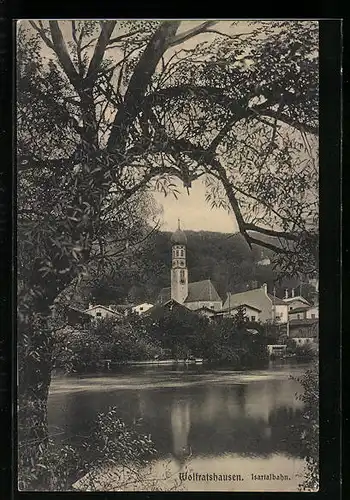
(193, 211)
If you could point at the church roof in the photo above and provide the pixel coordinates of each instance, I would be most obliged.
(198, 291)
(203, 291)
(178, 238)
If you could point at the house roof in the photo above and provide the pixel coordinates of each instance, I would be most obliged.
(87, 311)
(247, 297)
(159, 308)
(298, 298)
(198, 291)
(276, 300)
(205, 308)
(299, 309)
(239, 305)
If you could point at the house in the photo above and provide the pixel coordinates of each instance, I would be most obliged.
(159, 310)
(294, 302)
(141, 308)
(99, 311)
(252, 313)
(271, 308)
(195, 295)
(208, 313)
(304, 331)
(305, 312)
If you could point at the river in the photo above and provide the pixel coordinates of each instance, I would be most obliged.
(208, 423)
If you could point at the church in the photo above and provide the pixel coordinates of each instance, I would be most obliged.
(196, 295)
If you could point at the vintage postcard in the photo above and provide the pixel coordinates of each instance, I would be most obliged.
(167, 239)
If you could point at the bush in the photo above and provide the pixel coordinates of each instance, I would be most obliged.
(109, 338)
(304, 351)
(309, 431)
(112, 443)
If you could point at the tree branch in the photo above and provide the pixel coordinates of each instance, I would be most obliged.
(186, 35)
(41, 32)
(100, 48)
(139, 82)
(60, 48)
(289, 121)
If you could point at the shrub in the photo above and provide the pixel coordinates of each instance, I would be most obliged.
(112, 443)
(309, 431)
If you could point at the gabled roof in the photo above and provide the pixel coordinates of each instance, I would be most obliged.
(205, 308)
(158, 309)
(198, 291)
(299, 298)
(276, 300)
(300, 309)
(87, 311)
(202, 291)
(232, 308)
(236, 299)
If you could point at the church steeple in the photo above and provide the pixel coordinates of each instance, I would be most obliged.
(179, 272)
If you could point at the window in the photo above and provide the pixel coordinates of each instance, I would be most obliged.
(177, 253)
(298, 316)
(253, 318)
(182, 276)
(99, 314)
(312, 316)
(141, 308)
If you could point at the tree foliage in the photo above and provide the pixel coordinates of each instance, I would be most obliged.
(107, 109)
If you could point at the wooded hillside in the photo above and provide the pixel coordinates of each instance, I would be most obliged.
(225, 259)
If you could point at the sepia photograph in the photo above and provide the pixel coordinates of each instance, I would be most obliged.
(167, 190)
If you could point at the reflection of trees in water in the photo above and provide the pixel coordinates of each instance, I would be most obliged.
(248, 419)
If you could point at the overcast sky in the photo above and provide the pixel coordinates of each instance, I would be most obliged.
(193, 211)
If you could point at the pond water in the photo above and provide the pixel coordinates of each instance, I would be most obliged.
(208, 423)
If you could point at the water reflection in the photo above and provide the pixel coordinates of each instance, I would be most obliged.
(255, 418)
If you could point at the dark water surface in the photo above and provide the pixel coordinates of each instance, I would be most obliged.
(201, 420)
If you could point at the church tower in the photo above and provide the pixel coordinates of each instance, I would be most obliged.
(179, 272)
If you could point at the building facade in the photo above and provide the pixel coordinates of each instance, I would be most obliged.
(272, 309)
